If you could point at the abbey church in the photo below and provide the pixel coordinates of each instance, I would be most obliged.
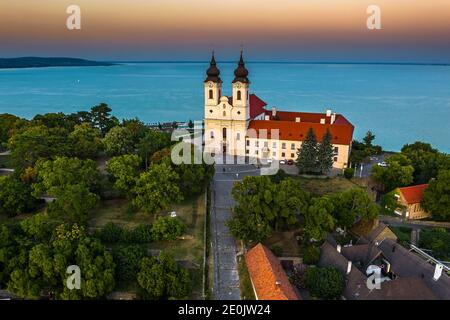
(241, 124)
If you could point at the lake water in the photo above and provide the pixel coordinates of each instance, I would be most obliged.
(399, 103)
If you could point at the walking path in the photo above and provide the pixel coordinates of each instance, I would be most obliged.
(226, 276)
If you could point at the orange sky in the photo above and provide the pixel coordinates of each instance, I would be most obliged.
(155, 28)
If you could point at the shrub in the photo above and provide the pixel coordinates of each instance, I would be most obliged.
(143, 233)
(349, 173)
(167, 228)
(325, 283)
(111, 233)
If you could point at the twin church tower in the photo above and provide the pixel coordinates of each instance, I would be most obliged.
(239, 125)
(226, 118)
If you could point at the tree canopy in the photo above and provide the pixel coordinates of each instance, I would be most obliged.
(436, 198)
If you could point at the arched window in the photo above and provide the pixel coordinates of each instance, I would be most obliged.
(224, 113)
(224, 133)
(211, 94)
(238, 136)
(212, 134)
(239, 95)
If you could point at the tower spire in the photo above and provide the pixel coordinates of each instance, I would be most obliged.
(213, 73)
(241, 72)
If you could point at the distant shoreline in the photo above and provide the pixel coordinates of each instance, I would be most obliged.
(296, 62)
(38, 62)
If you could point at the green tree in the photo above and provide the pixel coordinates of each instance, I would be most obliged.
(436, 198)
(319, 219)
(43, 268)
(125, 171)
(351, 205)
(157, 188)
(136, 128)
(75, 203)
(85, 141)
(279, 176)
(33, 143)
(325, 154)
(8, 124)
(437, 240)
(307, 154)
(54, 176)
(152, 142)
(324, 283)
(15, 196)
(118, 141)
(398, 173)
(128, 261)
(369, 138)
(163, 279)
(102, 119)
(426, 161)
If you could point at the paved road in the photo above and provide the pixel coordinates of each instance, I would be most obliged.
(367, 167)
(418, 224)
(226, 277)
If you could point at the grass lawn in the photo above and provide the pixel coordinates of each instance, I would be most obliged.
(188, 251)
(244, 280)
(115, 211)
(320, 187)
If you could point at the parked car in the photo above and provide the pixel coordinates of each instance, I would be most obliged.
(382, 164)
(290, 162)
(282, 161)
(269, 160)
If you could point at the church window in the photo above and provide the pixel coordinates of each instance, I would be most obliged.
(211, 96)
(238, 112)
(238, 136)
(212, 134)
(224, 133)
(224, 106)
(224, 113)
(210, 111)
(239, 95)
(248, 143)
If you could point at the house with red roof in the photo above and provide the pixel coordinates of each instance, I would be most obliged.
(268, 278)
(241, 124)
(409, 199)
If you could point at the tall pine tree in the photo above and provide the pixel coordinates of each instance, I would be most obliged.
(325, 154)
(307, 154)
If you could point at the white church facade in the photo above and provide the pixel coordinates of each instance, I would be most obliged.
(240, 125)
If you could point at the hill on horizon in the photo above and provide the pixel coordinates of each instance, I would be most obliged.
(43, 62)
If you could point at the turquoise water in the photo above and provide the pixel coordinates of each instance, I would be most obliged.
(399, 103)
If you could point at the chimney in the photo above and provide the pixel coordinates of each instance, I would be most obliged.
(437, 272)
(297, 119)
(266, 117)
(274, 111)
(322, 121)
(338, 248)
(349, 267)
(333, 118)
(328, 112)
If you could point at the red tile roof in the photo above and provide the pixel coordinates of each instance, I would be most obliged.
(256, 106)
(267, 275)
(413, 194)
(297, 131)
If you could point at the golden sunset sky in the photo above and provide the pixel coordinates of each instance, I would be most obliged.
(412, 30)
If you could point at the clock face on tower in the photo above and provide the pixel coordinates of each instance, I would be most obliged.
(238, 85)
(210, 84)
